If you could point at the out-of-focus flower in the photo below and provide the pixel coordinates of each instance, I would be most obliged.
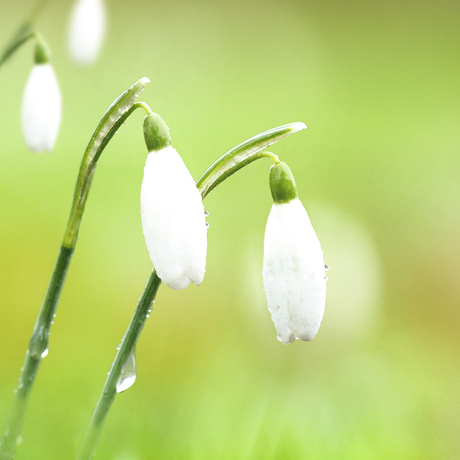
(87, 30)
(293, 270)
(172, 211)
(42, 105)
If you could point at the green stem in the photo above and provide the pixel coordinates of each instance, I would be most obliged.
(128, 345)
(23, 34)
(38, 349)
(113, 118)
(243, 154)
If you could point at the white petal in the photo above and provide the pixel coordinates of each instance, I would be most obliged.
(87, 29)
(173, 220)
(41, 109)
(293, 273)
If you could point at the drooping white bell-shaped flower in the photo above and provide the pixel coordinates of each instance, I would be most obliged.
(42, 104)
(172, 212)
(87, 30)
(293, 270)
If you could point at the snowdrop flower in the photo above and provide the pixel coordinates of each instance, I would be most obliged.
(293, 269)
(41, 106)
(87, 29)
(172, 211)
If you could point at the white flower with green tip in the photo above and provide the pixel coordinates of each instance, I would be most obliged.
(172, 211)
(42, 104)
(293, 270)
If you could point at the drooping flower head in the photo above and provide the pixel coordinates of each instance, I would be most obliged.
(172, 212)
(293, 269)
(87, 30)
(42, 105)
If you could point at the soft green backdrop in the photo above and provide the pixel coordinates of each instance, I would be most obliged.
(378, 169)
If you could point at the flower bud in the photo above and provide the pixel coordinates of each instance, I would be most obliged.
(41, 106)
(87, 29)
(172, 211)
(293, 269)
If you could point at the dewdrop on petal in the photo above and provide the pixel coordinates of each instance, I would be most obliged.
(293, 269)
(87, 30)
(173, 218)
(41, 105)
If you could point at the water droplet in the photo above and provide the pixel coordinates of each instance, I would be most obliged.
(326, 278)
(128, 373)
(118, 346)
(326, 267)
(206, 214)
(45, 353)
(207, 225)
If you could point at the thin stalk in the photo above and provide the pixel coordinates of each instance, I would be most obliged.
(38, 349)
(117, 113)
(23, 34)
(128, 344)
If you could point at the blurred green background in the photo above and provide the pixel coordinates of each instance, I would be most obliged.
(377, 83)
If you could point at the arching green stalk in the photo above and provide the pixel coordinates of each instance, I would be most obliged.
(113, 118)
(23, 34)
(225, 166)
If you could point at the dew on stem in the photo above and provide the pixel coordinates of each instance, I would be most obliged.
(128, 373)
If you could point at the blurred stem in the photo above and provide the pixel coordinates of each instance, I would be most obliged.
(113, 118)
(23, 34)
(228, 164)
(128, 344)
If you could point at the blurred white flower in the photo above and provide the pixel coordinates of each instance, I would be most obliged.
(87, 29)
(41, 109)
(293, 270)
(173, 219)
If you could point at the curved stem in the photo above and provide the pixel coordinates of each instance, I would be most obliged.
(128, 345)
(113, 118)
(23, 34)
(243, 154)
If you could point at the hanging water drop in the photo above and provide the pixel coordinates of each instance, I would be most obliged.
(326, 267)
(128, 373)
(206, 214)
(207, 225)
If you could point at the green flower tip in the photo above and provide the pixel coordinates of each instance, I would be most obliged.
(156, 132)
(282, 183)
(42, 53)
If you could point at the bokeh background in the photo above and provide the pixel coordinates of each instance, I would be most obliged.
(377, 83)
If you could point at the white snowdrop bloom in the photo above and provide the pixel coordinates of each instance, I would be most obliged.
(293, 269)
(172, 212)
(41, 108)
(87, 30)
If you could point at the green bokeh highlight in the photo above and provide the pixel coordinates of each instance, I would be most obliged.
(377, 170)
